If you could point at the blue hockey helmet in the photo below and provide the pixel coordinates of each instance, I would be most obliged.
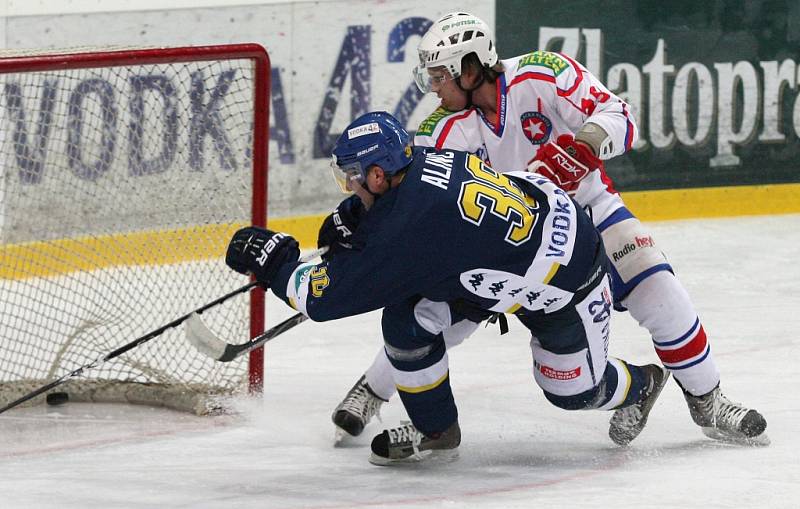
(376, 138)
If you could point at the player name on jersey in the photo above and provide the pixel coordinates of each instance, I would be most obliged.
(437, 169)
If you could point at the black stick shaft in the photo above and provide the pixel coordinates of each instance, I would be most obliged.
(147, 337)
(234, 351)
(126, 347)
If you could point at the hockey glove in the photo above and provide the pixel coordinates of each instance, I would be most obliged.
(565, 162)
(261, 252)
(340, 225)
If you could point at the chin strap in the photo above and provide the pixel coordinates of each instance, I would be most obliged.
(391, 178)
(470, 90)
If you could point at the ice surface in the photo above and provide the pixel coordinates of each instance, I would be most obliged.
(517, 450)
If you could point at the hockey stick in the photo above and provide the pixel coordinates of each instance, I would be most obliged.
(209, 344)
(218, 349)
(133, 344)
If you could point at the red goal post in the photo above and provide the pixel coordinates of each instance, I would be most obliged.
(123, 173)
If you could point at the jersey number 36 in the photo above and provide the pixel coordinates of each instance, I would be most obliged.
(499, 195)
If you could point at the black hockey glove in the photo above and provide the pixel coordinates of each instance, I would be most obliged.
(261, 252)
(339, 226)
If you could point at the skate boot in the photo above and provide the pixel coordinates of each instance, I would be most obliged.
(407, 445)
(628, 422)
(722, 419)
(356, 410)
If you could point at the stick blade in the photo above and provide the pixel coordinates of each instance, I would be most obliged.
(201, 337)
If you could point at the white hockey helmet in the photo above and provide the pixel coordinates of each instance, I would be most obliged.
(450, 39)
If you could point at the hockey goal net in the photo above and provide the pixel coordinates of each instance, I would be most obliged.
(123, 174)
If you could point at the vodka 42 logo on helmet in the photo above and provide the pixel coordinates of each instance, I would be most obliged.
(370, 128)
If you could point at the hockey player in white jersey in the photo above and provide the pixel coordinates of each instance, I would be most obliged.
(532, 253)
(546, 113)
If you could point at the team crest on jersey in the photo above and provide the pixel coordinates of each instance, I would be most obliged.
(319, 281)
(536, 127)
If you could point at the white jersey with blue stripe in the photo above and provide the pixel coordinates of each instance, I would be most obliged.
(540, 96)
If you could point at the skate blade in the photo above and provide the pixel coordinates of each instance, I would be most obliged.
(624, 437)
(340, 437)
(761, 440)
(435, 456)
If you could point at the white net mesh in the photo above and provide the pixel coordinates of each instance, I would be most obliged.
(119, 189)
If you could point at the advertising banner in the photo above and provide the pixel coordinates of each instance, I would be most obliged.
(713, 84)
(331, 62)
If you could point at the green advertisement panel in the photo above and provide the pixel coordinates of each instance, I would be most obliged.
(713, 85)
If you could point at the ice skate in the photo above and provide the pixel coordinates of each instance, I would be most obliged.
(628, 422)
(407, 445)
(722, 419)
(356, 410)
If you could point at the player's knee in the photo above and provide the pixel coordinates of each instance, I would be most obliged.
(583, 401)
(409, 345)
(400, 327)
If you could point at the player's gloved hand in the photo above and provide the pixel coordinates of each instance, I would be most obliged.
(565, 162)
(261, 252)
(340, 225)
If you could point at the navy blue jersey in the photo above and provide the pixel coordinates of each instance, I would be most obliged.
(454, 229)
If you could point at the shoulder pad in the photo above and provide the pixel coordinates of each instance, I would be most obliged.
(428, 126)
(553, 61)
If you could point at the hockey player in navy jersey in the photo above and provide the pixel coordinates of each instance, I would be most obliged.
(545, 112)
(491, 243)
